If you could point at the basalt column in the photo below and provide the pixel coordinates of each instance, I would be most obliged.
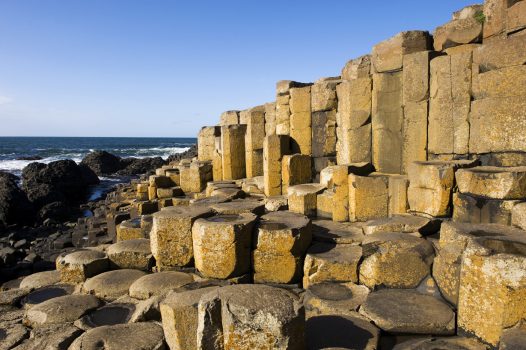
(233, 149)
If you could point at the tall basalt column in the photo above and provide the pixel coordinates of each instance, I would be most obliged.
(300, 120)
(206, 142)
(254, 118)
(233, 148)
(274, 148)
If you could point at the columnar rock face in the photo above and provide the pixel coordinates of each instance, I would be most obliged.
(302, 198)
(295, 170)
(324, 105)
(171, 237)
(398, 185)
(274, 148)
(229, 118)
(492, 288)
(233, 151)
(222, 245)
(270, 118)
(465, 28)
(280, 242)
(195, 176)
(76, 267)
(283, 105)
(206, 142)
(368, 196)
(336, 179)
(250, 317)
(300, 120)
(254, 118)
(431, 185)
(354, 118)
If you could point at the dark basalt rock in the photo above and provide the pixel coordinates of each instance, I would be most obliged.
(135, 166)
(191, 153)
(102, 163)
(15, 208)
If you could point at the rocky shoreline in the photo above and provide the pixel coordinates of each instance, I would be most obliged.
(42, 213)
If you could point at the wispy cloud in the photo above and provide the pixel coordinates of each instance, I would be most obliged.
(5, 100)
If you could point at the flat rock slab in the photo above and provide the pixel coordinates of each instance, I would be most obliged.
(13, 296)
(60, 310)
(40, 279)
(334, 298)
(240, 206)
(341, 332)
(51, 337)
(513, 339)
(76, 267)
(407, 311)
(133, 336)
(112, 284)
(402, 223)
(43, 294)
(493, 182)
(158, 283)
(329, 231)
(108, 315)
(131, 254)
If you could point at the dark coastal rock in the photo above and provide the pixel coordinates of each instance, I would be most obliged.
(58, 182)
(191, 153)
(15, 207)
(102, 163)
(136, 166)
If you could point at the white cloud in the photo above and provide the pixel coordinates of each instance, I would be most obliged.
(5, 100)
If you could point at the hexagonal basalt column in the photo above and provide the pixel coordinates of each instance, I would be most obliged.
(222, 245)
(280, 244)
(76, 267)
(171, 236)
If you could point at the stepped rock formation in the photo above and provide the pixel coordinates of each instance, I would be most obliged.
(381, 209)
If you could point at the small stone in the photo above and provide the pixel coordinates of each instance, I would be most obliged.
(131, 254)
(76, 267)
(276, 203)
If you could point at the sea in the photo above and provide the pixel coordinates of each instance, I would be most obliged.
(49, 149)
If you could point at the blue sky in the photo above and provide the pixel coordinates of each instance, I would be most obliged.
(166, 68)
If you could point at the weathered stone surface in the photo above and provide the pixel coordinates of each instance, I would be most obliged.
(179, 315)
(160, 181)
(357, 68)
(499, 83)
(323, 94)
(482, 211)
(240, 206)
(283, 107)
(276, 203)
(171, 236)
(465, 28)
(388, 55)
(395, 260)
(112, 284)
(431, 184)
(493, 182)
(280, 243)
(492, 287)
(64, 309)
(158, 283)
(516, 16)
(336, 179)
(454, 238)
(250, 317)
(133, 336)
(40, 279)
(206, 142)
(387, 122)
(512, 339)
(129, 229)
(327, 231)
(486, 135)
(368, 197)
(300, 120)
(274, 148)
(76, 267)
(131, 254)
(354, 121)
(518, 215)
(331, 263)
(407, 311)
(324, 133)
(270, 118)
(458, 343)
(414, 140)
(229, 118)
(12, 336)
(194, 177)
(397, 193)
(402, 223)
(233, 151)
(163, 193)
(222, 245)
(449, 105)
(302, 198)
(499, 54)
(495, 18)
(334, 298)
(295, 170)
